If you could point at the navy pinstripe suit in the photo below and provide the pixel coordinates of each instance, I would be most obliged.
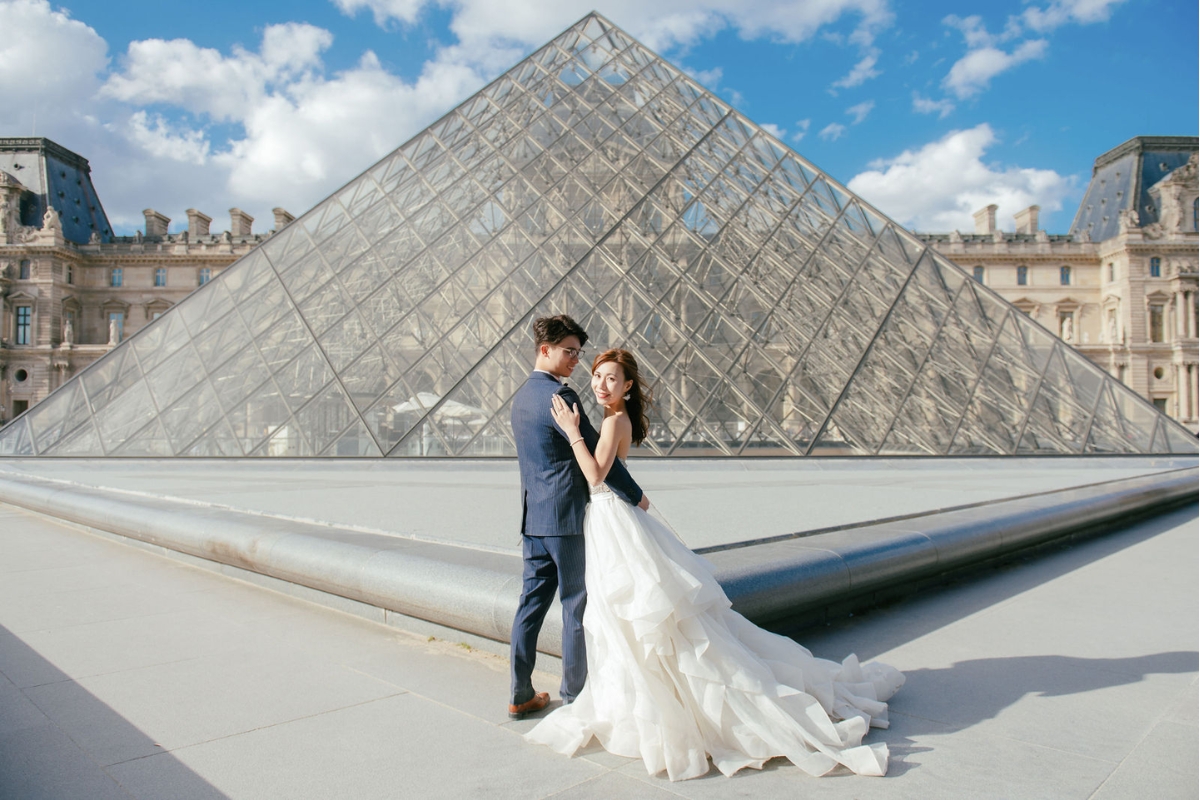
(554, 498)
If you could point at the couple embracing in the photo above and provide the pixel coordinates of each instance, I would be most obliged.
(656, 664)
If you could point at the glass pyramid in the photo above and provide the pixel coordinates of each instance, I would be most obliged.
(775, 312)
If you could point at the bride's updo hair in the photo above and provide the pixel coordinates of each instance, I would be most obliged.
(640, 396)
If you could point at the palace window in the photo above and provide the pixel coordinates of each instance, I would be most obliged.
(205, 275)
(24, 324)
(25, 269)
(1112, 272)
(160, 276)
(1022, 276)
(1064, 276)
(70, 274)
(1155, 267)
(1156, 323)
(977, 274)
(116, 277)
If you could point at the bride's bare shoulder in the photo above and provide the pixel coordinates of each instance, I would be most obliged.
(619, 424)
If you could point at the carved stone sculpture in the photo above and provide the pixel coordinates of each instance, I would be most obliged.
(68, 333)
(1129, 220)
(1068, 329)
(114, 332)
(1172, 194)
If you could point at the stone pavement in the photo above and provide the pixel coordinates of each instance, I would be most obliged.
(126, 674)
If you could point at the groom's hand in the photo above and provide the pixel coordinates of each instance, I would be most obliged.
(644, 503)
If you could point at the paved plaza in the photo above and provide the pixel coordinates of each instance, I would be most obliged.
(126, 674)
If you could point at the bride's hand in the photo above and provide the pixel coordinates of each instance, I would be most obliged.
(567, 418)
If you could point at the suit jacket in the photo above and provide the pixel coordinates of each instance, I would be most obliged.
(554, 492)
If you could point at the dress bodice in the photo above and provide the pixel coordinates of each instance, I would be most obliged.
(602, 487)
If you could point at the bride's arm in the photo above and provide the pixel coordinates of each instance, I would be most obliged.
(595, 467)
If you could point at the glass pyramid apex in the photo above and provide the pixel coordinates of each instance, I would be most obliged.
(774, 311)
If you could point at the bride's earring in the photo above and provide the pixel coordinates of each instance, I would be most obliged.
(626, 395)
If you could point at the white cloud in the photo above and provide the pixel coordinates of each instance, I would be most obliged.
(708, 77)
(774, 130)
(925, 105)
(972, 73)
(802, 126)
(156, 136)
(860, 111)
(862, 72)
(664, 24)
(384, 11)
(49, 67)
(203, 81)
(832, 132)
(939, 186)
(1059, 13)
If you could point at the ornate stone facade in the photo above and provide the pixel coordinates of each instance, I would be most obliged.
(1127, 302)
(67, 301)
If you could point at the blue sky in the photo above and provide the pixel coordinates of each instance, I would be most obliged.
(929, 110)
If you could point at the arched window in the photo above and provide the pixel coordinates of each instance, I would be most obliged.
(1155, 267)
(160, 276)
(25, 270)
(116, 277)
(977, 274)
(1022, 276)
(1064, 276)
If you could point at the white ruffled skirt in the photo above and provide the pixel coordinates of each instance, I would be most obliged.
(676, 676)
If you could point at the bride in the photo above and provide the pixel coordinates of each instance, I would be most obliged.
(675, 676)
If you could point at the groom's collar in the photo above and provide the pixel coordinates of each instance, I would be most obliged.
(549, 375)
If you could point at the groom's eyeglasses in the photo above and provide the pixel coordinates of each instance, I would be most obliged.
(572, 352)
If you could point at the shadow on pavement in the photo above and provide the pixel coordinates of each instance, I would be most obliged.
(41, 759)
(974, 591)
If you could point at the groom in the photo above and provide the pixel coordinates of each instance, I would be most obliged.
(554, 497)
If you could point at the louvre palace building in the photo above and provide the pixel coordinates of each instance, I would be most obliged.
(774, 312)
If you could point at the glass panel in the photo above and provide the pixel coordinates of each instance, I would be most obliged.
(238, 376)
(150, 441)
(303, 378)
(258, 416)
(119, 420)
(355, 442)
(159, 339)
(54, 417)
(175, 376)
(110, 376)
(220, 441)
(15, 440)
(325, 417)
(83, 441)
(191, 415)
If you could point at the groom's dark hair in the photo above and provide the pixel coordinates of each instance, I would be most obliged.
(552, 330)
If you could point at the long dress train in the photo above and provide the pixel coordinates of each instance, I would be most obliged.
(676, 676)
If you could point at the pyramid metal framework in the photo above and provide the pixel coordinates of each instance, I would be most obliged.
(774, 312)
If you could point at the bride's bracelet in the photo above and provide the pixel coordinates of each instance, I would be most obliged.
(573, 441)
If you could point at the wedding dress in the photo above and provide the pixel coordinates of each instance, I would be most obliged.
(676, 676)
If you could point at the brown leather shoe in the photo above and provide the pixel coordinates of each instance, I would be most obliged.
(539, 701)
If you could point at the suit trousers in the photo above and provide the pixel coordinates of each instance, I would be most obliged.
(551, 563)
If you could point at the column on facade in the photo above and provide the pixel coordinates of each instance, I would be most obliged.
(1191, 314)
(1180, 316)
(1191, 391)
(1182, 405)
